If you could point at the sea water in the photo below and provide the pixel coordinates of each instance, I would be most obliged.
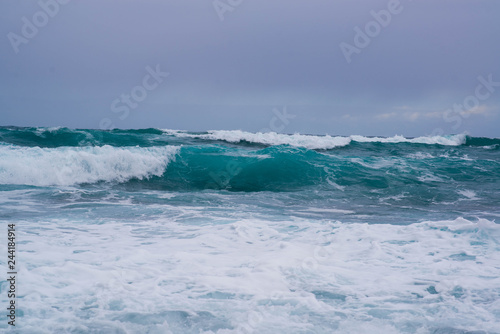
(167, 231)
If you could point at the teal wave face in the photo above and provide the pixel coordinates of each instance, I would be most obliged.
(492, 143)
(423, 169)
(418, 179)
(277, 168)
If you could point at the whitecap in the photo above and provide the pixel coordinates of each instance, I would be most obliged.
(75, 165)
(312, 141)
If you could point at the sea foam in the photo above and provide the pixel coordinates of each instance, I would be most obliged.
(312, 141)
(258, 276)
(76, 165)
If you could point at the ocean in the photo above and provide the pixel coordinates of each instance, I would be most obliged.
(169, 231)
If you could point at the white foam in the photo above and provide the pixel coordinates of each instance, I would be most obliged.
(269, 138)
(454, 140)
(328, 210)
(420, 155)
(335, 185)
(75, 165)
(379, 163)
(468, 194)
(40, 131)
(326, 277)
(312, 141)
(396, 198)
(428, 177)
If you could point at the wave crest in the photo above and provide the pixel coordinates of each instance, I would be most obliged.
(67, 166)
(314, 142)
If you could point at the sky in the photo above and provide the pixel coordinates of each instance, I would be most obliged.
(336, 67)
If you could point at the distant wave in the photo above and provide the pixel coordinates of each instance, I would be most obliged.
(243, 161)
(312, 141)
(60, 136)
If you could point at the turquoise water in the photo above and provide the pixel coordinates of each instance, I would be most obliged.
(167, 231)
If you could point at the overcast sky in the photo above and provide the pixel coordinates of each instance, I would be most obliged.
(338, 67)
